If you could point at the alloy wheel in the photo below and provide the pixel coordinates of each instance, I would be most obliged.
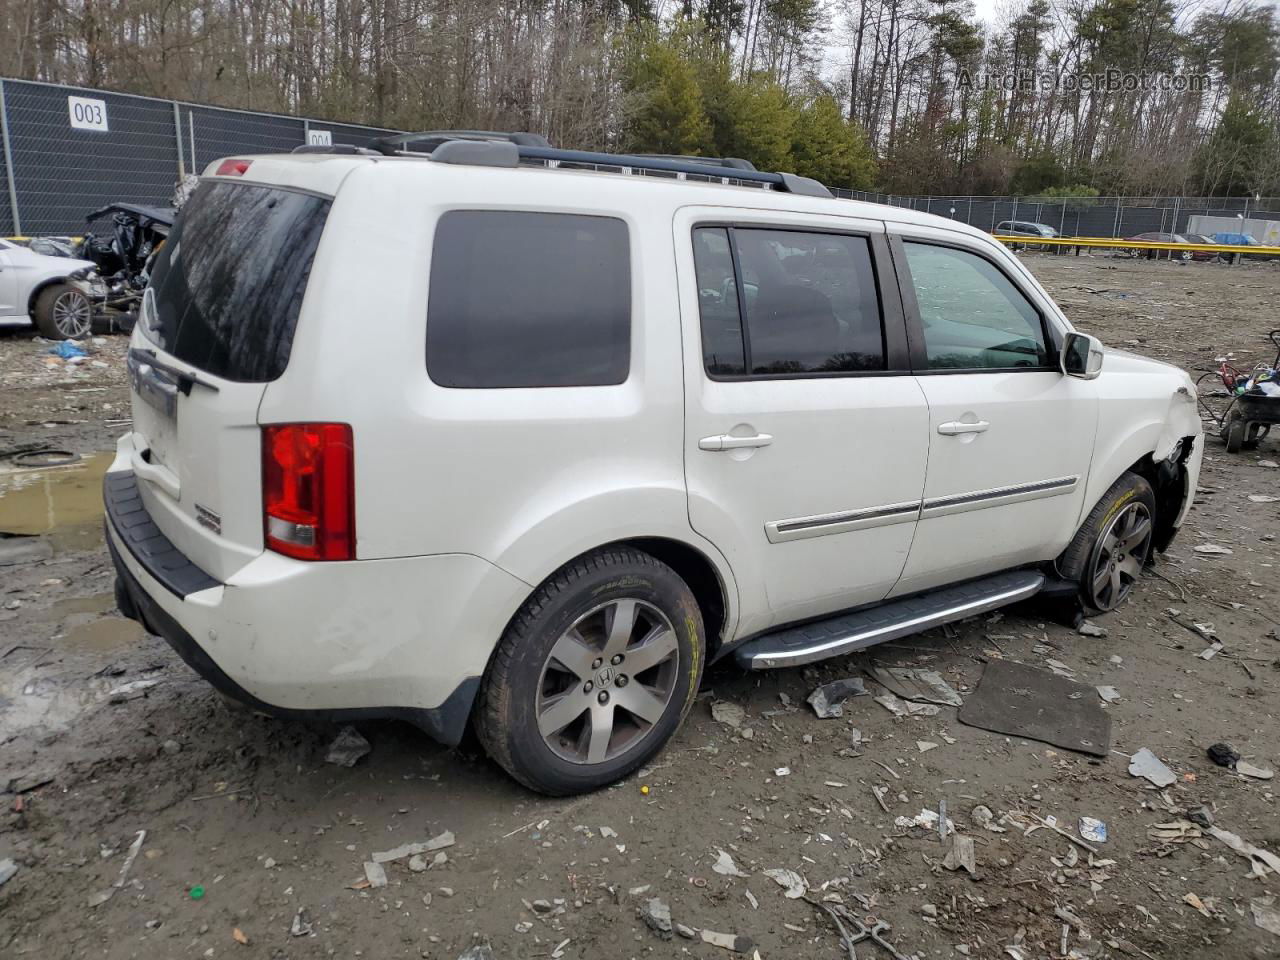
(1122, 550)
(72, 315)
(607, 681)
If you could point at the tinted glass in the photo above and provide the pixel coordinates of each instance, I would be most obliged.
(529, 300)
(811, 302)
(228, 283)
(973, 315)
(718, 302)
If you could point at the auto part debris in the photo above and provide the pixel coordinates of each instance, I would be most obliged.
(1262, 861)
(729, 941)
(1148, 766)
(1265, 915)
(730, 714)
(347, 748)
(1022, 701)
(657, 917)
(725, 866)
(102, 896)
(1093, 829)
(828, 700)
(905, 708)
(961, 855)
(1249, 770)
(793, 885)
(926, 686)
(1223, 754)
(445, 839)
(301, 926)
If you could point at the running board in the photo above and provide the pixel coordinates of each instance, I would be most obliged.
(848, 632)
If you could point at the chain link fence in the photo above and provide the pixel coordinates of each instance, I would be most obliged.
(67, 151)
(1101, 216)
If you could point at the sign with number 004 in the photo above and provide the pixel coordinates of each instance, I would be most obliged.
(87, 113)
(320, 138)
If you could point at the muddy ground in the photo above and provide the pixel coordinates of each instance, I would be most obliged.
(246, 808)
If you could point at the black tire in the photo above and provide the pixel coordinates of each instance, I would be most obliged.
(515, 685)
(1235, 435)
(47, 320)
(1092, 549)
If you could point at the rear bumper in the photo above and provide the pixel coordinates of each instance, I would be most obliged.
(406, 638)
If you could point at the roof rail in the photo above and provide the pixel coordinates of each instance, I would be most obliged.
(348, 149)
(427, 140)
(788, 182)
(737, 163)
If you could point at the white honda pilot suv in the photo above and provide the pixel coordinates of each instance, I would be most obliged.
(475, 430)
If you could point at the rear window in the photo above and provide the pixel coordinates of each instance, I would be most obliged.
(529, 300)
(227, 285)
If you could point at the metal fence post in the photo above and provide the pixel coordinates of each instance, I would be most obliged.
(177, 135)
(1115, 226)
(8, 162)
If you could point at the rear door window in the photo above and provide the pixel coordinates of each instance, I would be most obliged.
(228, 283)
(809, 302)
(529, 300)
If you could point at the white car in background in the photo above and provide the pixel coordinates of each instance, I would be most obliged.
(37, 287)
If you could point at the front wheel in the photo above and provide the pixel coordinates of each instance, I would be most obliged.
(63, 313)
(594, 674)
(1108, 553)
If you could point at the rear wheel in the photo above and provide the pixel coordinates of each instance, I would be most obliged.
(63, 313)
(594, 674)
(1108, 553)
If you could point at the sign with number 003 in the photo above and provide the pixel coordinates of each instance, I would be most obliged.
(87, 113)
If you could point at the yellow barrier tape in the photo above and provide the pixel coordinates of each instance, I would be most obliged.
(1137, 244)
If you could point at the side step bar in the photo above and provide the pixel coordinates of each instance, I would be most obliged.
(848, 632)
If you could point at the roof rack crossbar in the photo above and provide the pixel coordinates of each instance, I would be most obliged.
(735, 163)
(395, 144)
(780, 181)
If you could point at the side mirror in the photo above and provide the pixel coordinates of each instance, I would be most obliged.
(1081, 356)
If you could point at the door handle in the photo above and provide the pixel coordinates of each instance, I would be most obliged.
(727, 442)
(956, 427)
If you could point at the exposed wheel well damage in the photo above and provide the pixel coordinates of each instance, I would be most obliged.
(1168, 478)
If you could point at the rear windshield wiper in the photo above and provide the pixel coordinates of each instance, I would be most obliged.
(185, 379)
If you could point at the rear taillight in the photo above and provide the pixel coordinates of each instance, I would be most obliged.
(308, 490)
(231, 167)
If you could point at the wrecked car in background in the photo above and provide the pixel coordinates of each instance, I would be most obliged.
(122, 259)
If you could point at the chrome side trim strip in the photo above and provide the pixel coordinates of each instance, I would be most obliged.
(798, 528)
(997, 496)
(824, 524)
(1026, 585)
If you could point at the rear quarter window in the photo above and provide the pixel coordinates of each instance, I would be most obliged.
(524, 299)
(228, 283)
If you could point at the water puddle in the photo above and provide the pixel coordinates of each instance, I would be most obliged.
(62, 503)
(103, 636)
